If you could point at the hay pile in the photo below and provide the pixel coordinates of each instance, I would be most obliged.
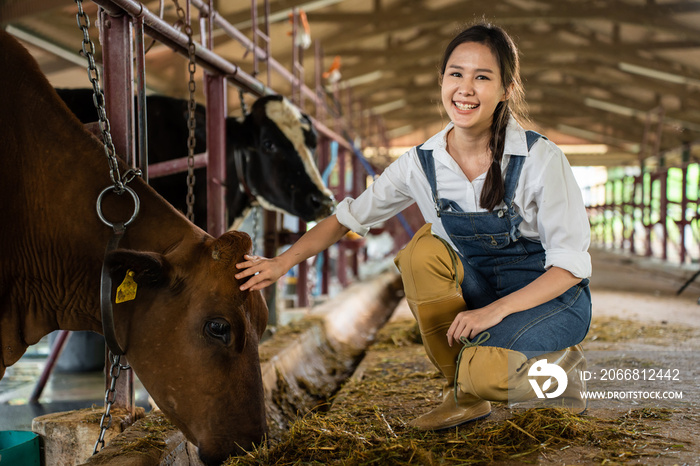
(616, 330)
(367, 423)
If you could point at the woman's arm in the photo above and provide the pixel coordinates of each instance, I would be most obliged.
(264, 272)
(546, 287)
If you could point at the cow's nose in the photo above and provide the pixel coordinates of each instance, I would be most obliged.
(321, 203)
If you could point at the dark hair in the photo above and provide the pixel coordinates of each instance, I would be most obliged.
(506, 53)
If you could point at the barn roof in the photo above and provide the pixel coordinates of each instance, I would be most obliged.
(615, 78)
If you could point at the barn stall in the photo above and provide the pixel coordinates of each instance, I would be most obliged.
(330, 128)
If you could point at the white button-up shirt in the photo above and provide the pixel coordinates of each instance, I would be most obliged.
(547, 197)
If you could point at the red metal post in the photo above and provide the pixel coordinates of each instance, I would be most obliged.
(663, 213)
(302, 275)
(118, 76)
(323, 151)
(270, 246)
(684, 208)
(58, 345)
(342, 250)
(648, 223)
(215, 89)
(119, 99)
(141, 107)
(324, 161)
(298, 72)
(318, 78)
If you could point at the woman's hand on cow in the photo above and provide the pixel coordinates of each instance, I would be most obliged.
(260, 270)
(470, 323)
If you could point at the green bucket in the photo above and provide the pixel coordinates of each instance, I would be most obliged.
(19, 448)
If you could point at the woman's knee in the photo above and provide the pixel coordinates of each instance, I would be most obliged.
(425, 251)
(428, 266)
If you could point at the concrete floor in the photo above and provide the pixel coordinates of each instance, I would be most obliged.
(629, 288)
(65, 391)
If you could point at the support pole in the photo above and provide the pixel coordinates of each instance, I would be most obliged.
(56, 350)
(270, 246)
(215, 89)
(119, 101)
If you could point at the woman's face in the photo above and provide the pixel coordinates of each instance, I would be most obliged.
(472, 87)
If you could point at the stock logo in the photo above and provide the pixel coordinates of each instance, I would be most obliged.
(543, 369)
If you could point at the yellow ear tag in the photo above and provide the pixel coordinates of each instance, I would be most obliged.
(127, 290)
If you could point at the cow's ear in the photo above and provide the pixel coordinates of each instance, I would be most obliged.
(310, 135)
(150, 269)
(231, 246)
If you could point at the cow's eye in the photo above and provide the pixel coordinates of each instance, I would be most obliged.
(269, 146)
(218, 329)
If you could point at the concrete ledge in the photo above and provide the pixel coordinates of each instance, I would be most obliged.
(69, 438)
(150, 441)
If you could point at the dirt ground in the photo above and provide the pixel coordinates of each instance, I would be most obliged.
(367, 420)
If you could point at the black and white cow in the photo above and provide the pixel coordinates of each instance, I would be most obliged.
(275, 143)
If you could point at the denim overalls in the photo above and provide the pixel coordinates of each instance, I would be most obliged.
(497, 261)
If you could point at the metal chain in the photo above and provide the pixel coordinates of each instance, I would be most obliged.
(192, 104)
(98, 99)
(244, 107)
(120, 183)
(114, 372)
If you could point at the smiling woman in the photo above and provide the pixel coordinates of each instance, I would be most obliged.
(501, 266)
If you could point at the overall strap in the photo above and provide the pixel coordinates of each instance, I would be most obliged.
(515, 166)
(428, 164)
(531, 137)
(512, 175)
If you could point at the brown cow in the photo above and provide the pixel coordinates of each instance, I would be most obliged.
(190, 334)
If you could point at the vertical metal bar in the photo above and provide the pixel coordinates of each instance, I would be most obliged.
(323, 161)
(342, 249)
(648, 206)
(58, 345)
(119, 100)
(267, 41)
(215, 88)
(270, 246)
(254, 22)
(355, 190)
(141, 106)
(663, 213)
(635, 210)
(296, 87)
(684, 206)
(303, 267)
(319, 101)
(118, 75)
(210, 26)
(302, 275)
(608, 218)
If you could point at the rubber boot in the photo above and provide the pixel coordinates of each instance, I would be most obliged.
(453, 411)
(499, 374)
(432, 274)
(434, 319)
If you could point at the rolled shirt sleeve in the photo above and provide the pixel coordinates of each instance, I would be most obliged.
(561, 218)
(385, 197)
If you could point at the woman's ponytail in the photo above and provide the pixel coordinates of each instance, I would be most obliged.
(494, 187)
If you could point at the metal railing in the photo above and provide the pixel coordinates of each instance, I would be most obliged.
(655, 214)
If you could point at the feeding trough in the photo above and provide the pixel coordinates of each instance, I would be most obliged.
(19, 447)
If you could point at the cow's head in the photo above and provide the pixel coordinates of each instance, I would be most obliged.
(281, 173)
(192, 337)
